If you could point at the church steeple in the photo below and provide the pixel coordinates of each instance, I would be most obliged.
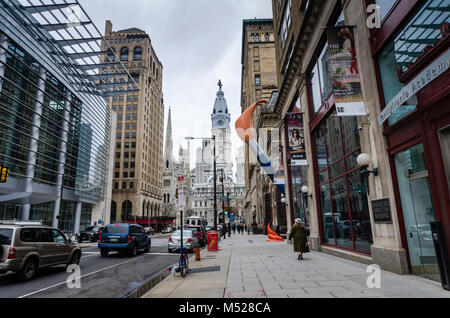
(168, 151)
(220, 116)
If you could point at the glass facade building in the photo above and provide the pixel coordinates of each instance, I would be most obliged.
(54, 121)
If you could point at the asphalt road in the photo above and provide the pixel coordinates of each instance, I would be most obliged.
(100, 277)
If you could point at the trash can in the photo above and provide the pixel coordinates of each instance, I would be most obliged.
(213, 241)
(441, 253)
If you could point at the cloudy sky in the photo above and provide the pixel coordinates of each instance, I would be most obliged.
(198, 42)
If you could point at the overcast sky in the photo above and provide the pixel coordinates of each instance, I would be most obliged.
(198, 43)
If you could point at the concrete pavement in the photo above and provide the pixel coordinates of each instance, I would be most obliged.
(250, 267)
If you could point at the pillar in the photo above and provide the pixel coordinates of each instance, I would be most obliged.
(33, 146)
(62, 159)
(76, 228)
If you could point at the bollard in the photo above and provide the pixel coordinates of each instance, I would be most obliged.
(197, 253)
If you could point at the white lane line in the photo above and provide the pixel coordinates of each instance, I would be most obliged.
(164, 254)
(100, 270)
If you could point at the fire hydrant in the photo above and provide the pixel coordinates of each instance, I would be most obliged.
(197, 251)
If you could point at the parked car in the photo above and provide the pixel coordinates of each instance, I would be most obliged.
(167, 230)
(200, 232)
(189, 241)
(149, 230)
(24, 249)
(91, 234)
(124, 238)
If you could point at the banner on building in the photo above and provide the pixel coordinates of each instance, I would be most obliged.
(344, 73)
(296, 139)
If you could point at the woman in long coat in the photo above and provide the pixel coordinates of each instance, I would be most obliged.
(298, 233)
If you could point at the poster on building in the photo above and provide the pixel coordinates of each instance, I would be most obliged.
(296, 139)
(344, 72)
(279, 174)
(181, 194)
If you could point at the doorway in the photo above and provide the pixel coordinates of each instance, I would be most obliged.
(418, 210)
(444, 139)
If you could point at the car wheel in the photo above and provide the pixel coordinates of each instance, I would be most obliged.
(80, 241)
(147, 248)
(133, 251)
(104, 252)
(28, 271)
(75, 260)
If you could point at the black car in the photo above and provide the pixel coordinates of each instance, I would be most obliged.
(91, 234)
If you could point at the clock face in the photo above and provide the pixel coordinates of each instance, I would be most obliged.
(220, 122)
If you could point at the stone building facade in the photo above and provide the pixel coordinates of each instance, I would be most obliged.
(382, 213)
(259, 80)
(137, 180)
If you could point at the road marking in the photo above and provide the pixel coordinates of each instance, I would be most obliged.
(161, 254)
(53, 286)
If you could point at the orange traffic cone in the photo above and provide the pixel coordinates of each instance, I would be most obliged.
(273, 237)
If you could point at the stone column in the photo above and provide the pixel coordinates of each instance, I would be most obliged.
(76, 228)
(33, 146)
(62, 158)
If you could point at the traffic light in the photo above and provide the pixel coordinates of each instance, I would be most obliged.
(226, 210)
(4, 174)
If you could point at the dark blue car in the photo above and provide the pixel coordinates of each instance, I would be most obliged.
(124, 238)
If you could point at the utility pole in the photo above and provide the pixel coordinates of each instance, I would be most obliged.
(223, 205)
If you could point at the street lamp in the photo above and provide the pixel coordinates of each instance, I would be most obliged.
(363, 161)
(305, 190)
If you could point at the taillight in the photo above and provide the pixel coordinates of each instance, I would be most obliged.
(170, 239)
(12, 253)
(100, 237)
(129, 239)
(190, 240)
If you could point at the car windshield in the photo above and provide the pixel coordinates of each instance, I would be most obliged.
(185, 233)
(116, 228)
(5, 236)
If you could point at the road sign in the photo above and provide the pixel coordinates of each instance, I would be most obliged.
(181, 193)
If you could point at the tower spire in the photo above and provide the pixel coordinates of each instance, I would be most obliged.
(168, 151)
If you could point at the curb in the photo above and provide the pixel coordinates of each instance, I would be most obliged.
(140, 291)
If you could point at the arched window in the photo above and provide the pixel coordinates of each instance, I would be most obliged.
(252, 38)
(137, 54)
(111, 57)
(124, 54)
(113, 214)
(267, 37)
(143, 208)
(127, 210)
(257, 38)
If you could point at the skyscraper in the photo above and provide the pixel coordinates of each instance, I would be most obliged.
(137, 183)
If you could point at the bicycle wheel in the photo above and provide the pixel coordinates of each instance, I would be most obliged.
(183, 271)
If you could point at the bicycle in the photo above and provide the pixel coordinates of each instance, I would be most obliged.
(183, 264)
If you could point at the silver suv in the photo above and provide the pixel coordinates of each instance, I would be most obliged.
(24, 248)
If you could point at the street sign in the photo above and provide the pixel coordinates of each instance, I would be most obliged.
(181, 193)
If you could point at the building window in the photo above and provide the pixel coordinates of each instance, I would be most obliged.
(343, 191)
(116, 185)
(257, 38)
(267, 37)
(137, 54)
(408, 44)
(124, 54)
(257, 80)
(124, 185)
(285, 24)
(252, 38)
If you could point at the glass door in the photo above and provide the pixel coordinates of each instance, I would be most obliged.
(418, 211)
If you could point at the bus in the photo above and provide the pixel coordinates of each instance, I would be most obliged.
(196, 220)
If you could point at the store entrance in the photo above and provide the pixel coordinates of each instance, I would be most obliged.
(444, 139)
(418, 211)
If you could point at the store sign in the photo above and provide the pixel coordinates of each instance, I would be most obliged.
(296, 138)
(382, 211)
(344, 72)
(408, 94)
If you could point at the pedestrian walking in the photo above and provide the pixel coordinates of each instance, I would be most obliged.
(298, 233)
(234, 229)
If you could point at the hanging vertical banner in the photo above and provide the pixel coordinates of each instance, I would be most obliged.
(296, 139)
(344, 72)
(279, 174)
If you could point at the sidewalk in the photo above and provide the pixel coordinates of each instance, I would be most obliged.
(250, 267)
